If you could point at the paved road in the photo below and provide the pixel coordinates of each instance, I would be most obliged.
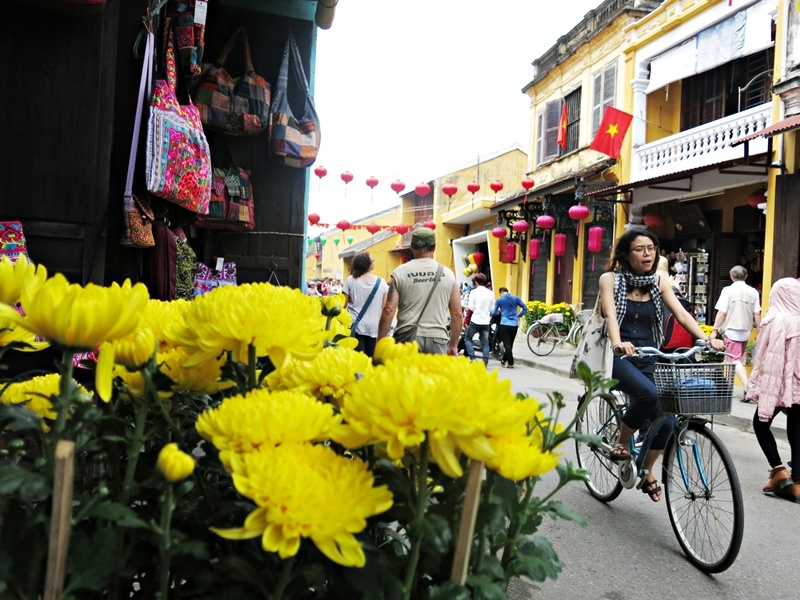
(628, 551)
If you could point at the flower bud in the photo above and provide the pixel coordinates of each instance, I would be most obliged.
(174, 464)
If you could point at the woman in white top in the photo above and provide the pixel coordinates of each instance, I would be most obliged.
(357, 289)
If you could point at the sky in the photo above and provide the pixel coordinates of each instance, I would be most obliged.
(415, 89)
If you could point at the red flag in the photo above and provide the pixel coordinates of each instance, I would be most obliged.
(562, 128)
(611, 132)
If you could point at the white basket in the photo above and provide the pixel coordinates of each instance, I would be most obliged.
(552, 318)
(696, 388)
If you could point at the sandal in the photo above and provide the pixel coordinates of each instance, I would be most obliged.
(618, 453)
(652, 489)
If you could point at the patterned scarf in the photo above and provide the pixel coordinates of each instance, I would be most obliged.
(624, 281)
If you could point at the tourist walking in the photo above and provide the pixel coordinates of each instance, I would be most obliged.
(480, 303)
(365, 295)
(507, 305)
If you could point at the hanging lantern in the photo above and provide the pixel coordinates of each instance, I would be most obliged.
(759, 196)
(343, 225)
(430, 225)
(349, 239)
(309, 241)
(595, 241)
(336, 241)
(534, 251)
(499, 232)
(559, 248)
(496, 186)
(373, 228)
(545, 222)
(317, 255)
(520, 226)
(402, 228)
(473, 186)
(372, 181)
(527, 183)
(320, 171)
(323, 241)
(313, 218)
(652, 219)
(422, 189)
(449, 189)
(347, 177)
(511, 252)
(397, 186)
(579, 212)
(478, 258)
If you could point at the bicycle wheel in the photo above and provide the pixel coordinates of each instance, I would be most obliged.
(541, 339)
(601, 418)
(575, 335)
(708, 520)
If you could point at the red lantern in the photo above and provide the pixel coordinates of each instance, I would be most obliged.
(527, 183)
(372, 182)
(343, 225)
(534, 249)
(449, 189)
(373, 228)
(520, 226)
(496, 185)
(347, 177)
(578, 213)
(473, 186)
(402, 228)
(559, 247)
(545, 222)
(511, 252)
(478, 256)
(317, 255)
(313, 218)
(320, 171)
(499, 232)
(652, 219)
(429, 224)
(422, 189)
(757, 197)
(595, 241)
(397, 186)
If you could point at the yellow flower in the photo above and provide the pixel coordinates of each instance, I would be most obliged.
(11, 332)
(333, 305)
(14, 277)
(457, 403)
(204, 378)
(135, 349)
(519, 455)
(307, 491)
(35, 395)
(132, 385)
(387, 349)
(174, 464)
(243, 424)
(331, 374)
(165, 319)
(280, 322)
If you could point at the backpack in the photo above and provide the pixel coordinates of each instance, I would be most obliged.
(675, 335)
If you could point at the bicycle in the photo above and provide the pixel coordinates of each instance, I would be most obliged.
(543, 335)
(701, 486)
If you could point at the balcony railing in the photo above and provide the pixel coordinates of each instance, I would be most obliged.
(701, 146)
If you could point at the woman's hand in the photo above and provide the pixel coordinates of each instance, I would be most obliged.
(716, 344)
(624, 349)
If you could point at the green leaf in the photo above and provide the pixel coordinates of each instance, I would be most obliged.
(435, 533)
(93, 559)
(449, 591)
(193, 548)
(535, 558)
(557, 509)
(118, 513)
(31, 486)
(489, 587)
(16, 417)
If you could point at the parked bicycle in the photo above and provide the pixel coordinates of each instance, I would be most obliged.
(543, 335)
(701, 486)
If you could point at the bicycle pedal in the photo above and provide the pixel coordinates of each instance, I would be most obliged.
(642, 479)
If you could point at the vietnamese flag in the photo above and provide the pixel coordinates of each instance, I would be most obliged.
(611, 132)
(562, 128)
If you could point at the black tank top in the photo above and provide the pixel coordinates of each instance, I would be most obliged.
(637, 325)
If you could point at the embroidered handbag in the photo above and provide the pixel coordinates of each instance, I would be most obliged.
(189, 27)
(233, 105)
(206, 278)
(293, 142)
(594, 347)
(12, 240)
(178, 157)
(232, 205)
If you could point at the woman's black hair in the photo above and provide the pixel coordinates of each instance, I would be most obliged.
(361, 263)
(619, 256)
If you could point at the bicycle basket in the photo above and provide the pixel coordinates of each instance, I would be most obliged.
(695, 389)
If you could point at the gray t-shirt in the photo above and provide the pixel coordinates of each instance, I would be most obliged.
(358, 290)
(414, 280)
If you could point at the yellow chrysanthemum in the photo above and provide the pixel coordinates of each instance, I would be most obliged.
(387, 349)
(307, 491)
(11, 332)
(35, 395)
(456, 402)
(520, 455)
(132, 385)
(204, 378)
(76, 317)
(333, 305)
(174, 464)
(14, 277)
(243, 424)
(280, 322)
(135, 349)
(331, 374)
(165, 319)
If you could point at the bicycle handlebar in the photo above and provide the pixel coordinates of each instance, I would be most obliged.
(699, 346)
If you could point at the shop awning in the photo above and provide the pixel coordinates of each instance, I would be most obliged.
(785, 126)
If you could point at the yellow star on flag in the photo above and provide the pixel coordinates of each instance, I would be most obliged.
(612, 130)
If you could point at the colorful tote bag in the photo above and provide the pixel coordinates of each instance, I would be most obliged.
(294, 141)
(12, 240)
(178, 157)
(189, 34)
(232, 205)
(233, 105)
(206, 278)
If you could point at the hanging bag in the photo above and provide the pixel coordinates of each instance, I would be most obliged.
(232, 205)
(594, 347)
(178, 157)
(138, 214)
(233, 105)
(293, 142)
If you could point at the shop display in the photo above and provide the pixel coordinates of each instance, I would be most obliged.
(691, 275)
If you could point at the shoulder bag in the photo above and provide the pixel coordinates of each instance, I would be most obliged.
(594, 347)
(178, 157)
(233, 105)
(365, 307)
(232, 206)
(293, 141)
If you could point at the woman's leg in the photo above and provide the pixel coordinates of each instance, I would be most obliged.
(766, 440)
(640, 389)
(793, 433)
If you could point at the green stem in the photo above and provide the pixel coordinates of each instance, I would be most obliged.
(419, 515)
(64, 391)
(515, 526)
(168, 504)
(134, 448)
(285, 578)
(251, 367)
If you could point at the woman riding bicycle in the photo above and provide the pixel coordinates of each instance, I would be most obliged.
(633, 297)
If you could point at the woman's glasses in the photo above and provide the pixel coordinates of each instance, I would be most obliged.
(643, 249)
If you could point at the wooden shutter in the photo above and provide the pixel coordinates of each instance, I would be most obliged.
(552, 117)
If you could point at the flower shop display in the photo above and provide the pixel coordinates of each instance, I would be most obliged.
(238, 446)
